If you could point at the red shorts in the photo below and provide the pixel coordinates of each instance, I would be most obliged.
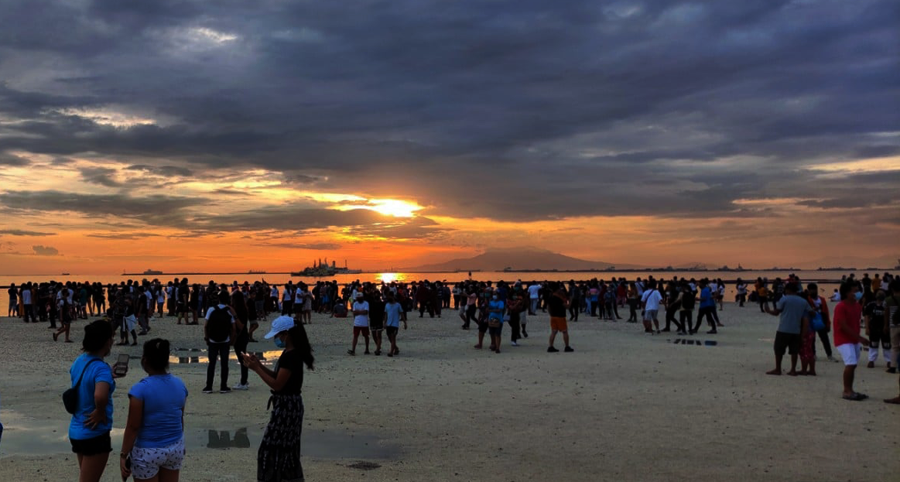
(361, 329)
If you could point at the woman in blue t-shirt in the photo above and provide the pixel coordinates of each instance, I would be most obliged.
(92, 420)
(154, 433)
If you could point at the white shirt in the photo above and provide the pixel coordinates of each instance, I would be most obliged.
(361, 320)
(836, 296)
(533, 291)
(652, 298)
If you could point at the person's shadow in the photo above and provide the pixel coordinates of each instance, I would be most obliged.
(222, 439)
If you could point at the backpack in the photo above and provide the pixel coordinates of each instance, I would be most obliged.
(219, 324)
(687, 300)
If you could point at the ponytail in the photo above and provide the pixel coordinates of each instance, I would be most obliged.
(301, 344)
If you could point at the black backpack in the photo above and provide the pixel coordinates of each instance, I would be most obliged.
(688, 299)
(219, 324)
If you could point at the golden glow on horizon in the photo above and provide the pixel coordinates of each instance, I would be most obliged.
(881, 164)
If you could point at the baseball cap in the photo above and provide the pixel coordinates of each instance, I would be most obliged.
(280, 324)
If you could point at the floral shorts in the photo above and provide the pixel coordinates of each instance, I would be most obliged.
(146, 462)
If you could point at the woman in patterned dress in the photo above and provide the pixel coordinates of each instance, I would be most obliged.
(278, 459)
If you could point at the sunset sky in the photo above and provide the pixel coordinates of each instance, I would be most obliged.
(216, 135)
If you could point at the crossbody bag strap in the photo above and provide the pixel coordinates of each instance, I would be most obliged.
(84, 370)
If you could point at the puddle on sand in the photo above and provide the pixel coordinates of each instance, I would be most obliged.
(318, 444)
(266, 357)
(26, 436)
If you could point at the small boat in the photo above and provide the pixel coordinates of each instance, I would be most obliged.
(67, 274)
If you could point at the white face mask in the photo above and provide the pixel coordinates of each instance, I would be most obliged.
(496, 297)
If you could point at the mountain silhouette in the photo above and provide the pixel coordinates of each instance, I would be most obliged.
(525, 258)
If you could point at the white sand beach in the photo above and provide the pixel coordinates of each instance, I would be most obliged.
(624, 406)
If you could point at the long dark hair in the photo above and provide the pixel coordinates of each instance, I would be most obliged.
(301, 344)
(156, 354)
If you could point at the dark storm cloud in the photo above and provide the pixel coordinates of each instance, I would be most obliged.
(514, 110)
(156, 210)
(122, 236)
(45, 250)
(100, 175)
(12, 160)
(165, 171)
(310, 246)
(20, 232)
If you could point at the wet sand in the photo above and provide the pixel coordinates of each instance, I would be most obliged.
(624, 406)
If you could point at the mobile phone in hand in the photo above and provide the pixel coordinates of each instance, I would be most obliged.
(121, 367)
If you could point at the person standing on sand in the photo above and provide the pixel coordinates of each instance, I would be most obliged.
(707, 307)
(892, 325)
(495, 311)
(650, 307)
(219, 334)
(376, 317)
(65, 321)
(154, 432)
(517, 309)
(27, 307)
(741, 292)
(557, 304)
(820, 306)
(360, 323)
(89, 430)
(13, 301)
(876, 332)
(762, 294)
(278, 459)
(394, 313)
(794, 314)
(534, 296)
(847, 340)
(242, 335)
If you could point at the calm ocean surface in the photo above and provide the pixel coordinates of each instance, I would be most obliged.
(825, 278)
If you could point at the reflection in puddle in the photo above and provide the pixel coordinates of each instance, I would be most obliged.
(222, 439)
(23, 435)
(317, 444)
(266, 357)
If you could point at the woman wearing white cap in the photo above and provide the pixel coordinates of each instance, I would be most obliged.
(279, 453)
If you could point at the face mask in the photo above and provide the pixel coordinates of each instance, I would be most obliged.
(279, 342)
(496, 297)
(858, 296)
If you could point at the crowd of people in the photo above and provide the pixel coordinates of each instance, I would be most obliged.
(153, 445)
(872, 303)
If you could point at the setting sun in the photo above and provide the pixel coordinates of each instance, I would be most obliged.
(388, 207)
(394, 207)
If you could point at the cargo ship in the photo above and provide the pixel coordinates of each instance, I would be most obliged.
(321, 269)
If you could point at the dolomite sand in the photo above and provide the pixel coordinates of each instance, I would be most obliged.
(624, 406)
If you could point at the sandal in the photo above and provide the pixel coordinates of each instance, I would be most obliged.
(856, 397)
(351, 352)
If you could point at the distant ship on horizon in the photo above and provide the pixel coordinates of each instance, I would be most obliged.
(321, 269)
(152, 272)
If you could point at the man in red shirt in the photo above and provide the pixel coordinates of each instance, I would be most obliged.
(847, 340)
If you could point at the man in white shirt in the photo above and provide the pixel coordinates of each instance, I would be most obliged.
(534, 295)
(360, 323)
(650, 307)
(28, 311)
